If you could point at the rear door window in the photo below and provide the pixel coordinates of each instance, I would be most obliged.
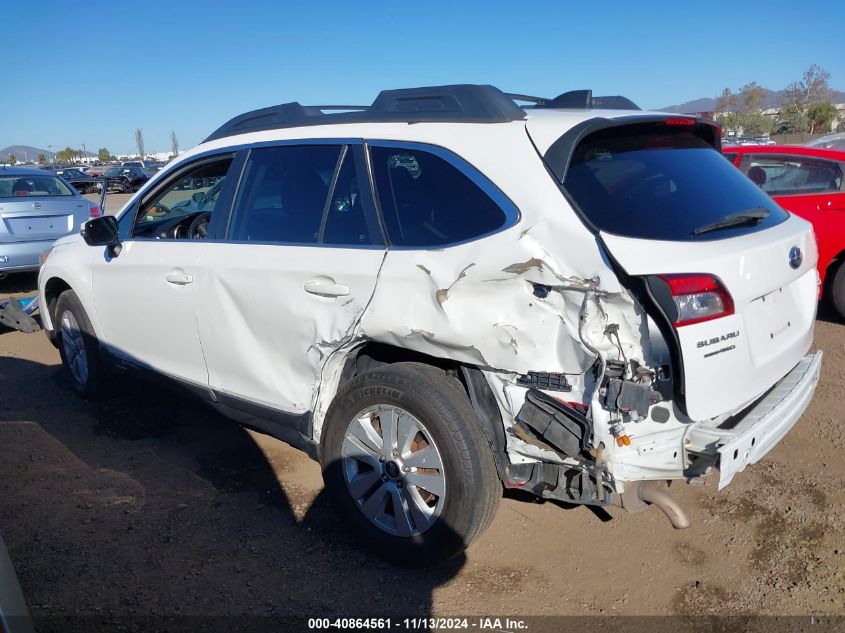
(794, 175)
(662, 183)
(428, 201)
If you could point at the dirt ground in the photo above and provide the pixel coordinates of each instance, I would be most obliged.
(151, 503)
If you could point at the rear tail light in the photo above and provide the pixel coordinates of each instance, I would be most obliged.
(698, 297)
(95, 212)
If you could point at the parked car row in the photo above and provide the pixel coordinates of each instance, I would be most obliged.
(748, 140)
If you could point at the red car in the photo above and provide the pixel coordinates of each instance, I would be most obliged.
(809, 182)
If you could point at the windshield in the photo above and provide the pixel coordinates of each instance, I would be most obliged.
(117, 171)
(24, 186)
(661, 183)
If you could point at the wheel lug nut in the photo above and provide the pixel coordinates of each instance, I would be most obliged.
(406, 469)
(384, 477)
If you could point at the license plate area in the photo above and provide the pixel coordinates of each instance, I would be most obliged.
(771, 321)
(39, 225)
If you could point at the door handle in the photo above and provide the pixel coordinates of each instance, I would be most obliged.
(178, 277)
(325, 287)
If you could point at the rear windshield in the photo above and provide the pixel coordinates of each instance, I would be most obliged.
(662, 183)
(25, 186)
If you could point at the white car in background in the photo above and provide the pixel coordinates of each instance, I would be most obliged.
(446, 292)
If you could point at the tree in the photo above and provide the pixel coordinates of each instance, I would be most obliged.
(793, 120)
(174, 143)
(67, 155)
(752, 96)
(821, 116)
(813, 88)
(813, 91)
(103, 155)
(42, 159)
(12, 159)
(139, 142)
(746, 123)
(725, 101)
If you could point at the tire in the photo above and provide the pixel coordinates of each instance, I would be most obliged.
(837, 290)
(78, 346)
(431, 411)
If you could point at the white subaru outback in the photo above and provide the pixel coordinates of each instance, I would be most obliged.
(447, 292)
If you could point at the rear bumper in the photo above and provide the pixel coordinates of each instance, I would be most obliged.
(763, 425)
(22, 256)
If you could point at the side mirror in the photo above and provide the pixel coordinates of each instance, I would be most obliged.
(198, 197)
(102, 231)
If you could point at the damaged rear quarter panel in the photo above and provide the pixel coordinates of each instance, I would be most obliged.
(510, 302)
(538, 296)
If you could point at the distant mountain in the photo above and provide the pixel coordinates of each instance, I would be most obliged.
(25, 153)
(772, 99)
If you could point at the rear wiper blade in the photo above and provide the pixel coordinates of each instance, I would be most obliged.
(740, 218)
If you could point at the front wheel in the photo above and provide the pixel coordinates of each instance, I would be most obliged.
(407, 465)
(836, 288)
(78, 346)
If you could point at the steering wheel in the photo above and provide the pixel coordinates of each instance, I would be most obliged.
(199, 227)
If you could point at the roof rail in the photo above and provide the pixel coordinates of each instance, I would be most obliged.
(464, 103)
(581, 99)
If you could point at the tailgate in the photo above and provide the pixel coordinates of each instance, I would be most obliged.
(732, 360)
(732, 271)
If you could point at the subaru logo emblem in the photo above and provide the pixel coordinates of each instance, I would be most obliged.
(795, 257)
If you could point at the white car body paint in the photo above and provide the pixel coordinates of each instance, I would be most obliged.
(154, 320)
(262, 336)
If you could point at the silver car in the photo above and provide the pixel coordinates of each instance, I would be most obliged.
(36, 208)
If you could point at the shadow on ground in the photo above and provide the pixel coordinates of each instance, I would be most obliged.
(152, 503)
(18, 283)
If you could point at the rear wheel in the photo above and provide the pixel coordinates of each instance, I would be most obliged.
(407, 465)
(78, 346)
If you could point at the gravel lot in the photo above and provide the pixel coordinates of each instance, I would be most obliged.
(151, 503)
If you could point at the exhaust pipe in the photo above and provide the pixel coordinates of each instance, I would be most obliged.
(638, 495)
(651, 492)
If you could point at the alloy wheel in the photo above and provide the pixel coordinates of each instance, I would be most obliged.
(393, 470)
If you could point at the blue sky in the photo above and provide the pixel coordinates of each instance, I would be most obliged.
(91, 72)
